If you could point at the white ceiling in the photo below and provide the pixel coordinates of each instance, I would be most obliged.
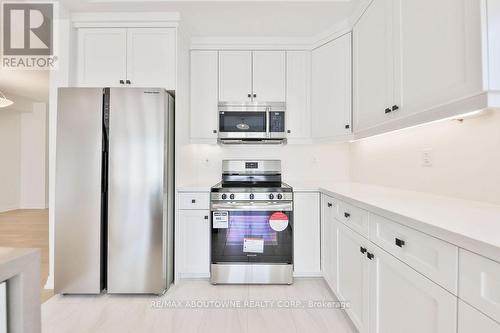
(32, 85)
(237, 18)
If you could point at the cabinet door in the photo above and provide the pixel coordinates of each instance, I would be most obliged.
(471, 320)
(235, 76)
(373, 65)
(298, 83)
(194, 239)
(331, 89)
(151, 57)
(329, 241)
(306, 234)
(403, 300)
(102, 57)
(437, 45)
(269, 71)
(204, 94)
(353, 276)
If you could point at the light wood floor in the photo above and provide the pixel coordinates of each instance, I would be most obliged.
(28, 228)
(115, 313)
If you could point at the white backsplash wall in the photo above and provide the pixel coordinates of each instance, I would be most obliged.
(303, 165)
(465, 158)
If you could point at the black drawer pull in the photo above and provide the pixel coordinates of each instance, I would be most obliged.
(362, 249)
(122, 82)
(330, 204)
(347, 126)
(215, 131)
(206, 217)
(347, 215)
(193, 200)
(249, 95)
(388, 110)
(395, 108)
(370, 255)
(399, 242)
(128, 82)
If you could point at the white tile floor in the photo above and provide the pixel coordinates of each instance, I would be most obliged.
(137, 314)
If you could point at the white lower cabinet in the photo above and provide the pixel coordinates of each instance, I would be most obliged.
(403, 300)
(329, 241)
(306, 234)
(471, 320)
(354, 276)
(193, 231)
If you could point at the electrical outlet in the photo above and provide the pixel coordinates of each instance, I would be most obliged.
(427, 157)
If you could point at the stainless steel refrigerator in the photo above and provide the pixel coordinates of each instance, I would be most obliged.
(114, 198)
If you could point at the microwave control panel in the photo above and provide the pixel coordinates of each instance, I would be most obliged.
(276, 122)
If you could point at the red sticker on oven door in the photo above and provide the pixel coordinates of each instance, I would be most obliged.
(278, 221)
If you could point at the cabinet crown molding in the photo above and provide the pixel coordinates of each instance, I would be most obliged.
(125, 19)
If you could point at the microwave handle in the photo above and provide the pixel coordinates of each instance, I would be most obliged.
(243, 206)
(268, 121)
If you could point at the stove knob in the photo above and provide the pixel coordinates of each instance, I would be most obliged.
(224, 196)
(271, 196)
(252, 196)
(231, 196)
(280, 197)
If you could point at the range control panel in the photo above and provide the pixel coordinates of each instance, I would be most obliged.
(278, 196)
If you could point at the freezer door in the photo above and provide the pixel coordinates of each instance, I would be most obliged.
(78, 191)
(136, 231)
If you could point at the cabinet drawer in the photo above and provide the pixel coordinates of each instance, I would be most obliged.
(196, 200)
(471, 320)
(354, 217)
(430, 256)
(479, 283)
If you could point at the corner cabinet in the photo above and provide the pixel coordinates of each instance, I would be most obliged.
(121, 57)
(331, 90)
(417, 61)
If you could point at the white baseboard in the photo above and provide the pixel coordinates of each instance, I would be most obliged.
(8, 208)
(307, 274)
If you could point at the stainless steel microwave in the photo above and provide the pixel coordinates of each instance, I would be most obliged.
(254, 122)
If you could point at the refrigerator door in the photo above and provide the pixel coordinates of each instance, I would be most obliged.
(136, 219)
(78, 191)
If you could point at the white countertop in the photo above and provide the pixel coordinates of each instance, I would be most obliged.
(469, 224)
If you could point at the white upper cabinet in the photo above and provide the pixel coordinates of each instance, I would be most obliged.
(373, 65)
(246, 76)
(417, 61)
(235, 76)
(269, 71)
(438, 52)
(102, 57)
(151, 58)
(298, 83)
(134, 57)
(204, 95)
(331, 89)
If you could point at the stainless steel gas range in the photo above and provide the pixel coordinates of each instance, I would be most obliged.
(252, 224)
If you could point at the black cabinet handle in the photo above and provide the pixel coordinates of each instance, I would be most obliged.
(122, 82)
(388, 110)
(395, 108)
(288, 131)
(254, 95)
(249, 95)
(330, 204)
(347, 126)
(128, 82)
(215, 131)
(370, 255)
(206, 217)
(362, 249)
(399, 242)
(193, 201)
(347, 215)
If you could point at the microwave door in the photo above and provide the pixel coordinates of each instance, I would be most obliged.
(243, 124)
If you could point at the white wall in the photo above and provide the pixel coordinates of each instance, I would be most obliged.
(466, 158)
(10, 159)
(303, 165)
(33, 148)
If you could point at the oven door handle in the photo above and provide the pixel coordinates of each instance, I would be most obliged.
(256, 206)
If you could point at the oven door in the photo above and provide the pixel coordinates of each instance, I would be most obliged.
(243, 124)
(252, 233)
